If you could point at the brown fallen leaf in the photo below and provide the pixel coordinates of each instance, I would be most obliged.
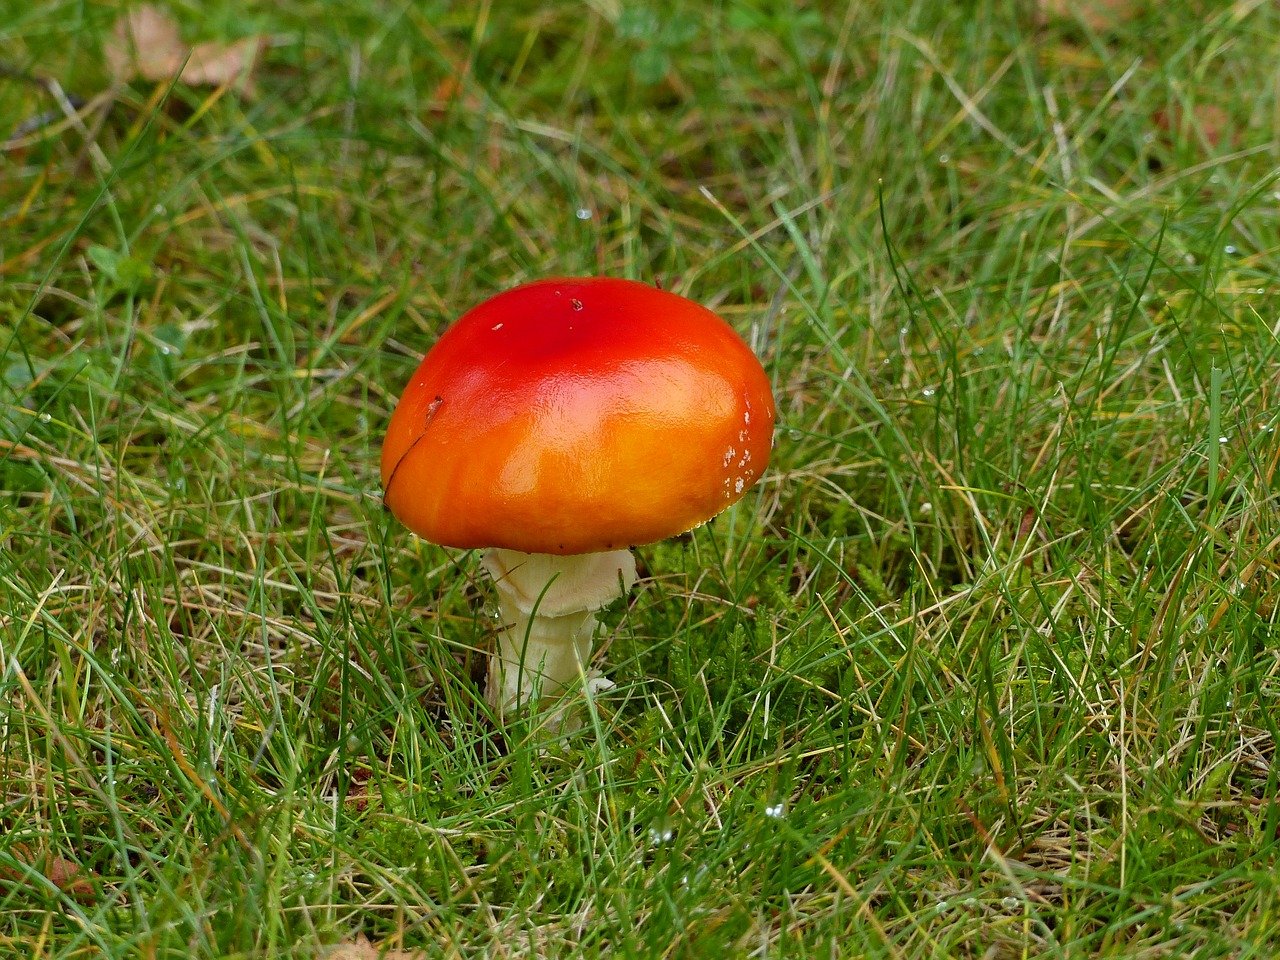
(1211, 120)
(225, 64)
(147, 43)
(144, 43)
(362, 949)
(1097, 15)
(66, 875)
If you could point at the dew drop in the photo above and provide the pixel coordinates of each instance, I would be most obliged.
(928, 391)
(775, 811)
(795, 434)
(582, 213)
(46, 418)
(688, 881)
(1198, 624)
(658, 836)
(1230, 248)
(944, 158)
(1224, 439)
(1009, 903)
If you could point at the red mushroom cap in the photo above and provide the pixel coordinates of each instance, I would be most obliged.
(577, 416)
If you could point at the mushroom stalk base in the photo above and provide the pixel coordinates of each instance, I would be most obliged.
(548, 605)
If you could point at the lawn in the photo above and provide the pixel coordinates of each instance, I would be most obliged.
(985, 666)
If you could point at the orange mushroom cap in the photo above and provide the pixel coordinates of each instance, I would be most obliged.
(577, 416)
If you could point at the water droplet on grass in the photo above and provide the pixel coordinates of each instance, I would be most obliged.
(1010, 903)
(660, 836)
(776, 811)
(688, 881)
(582, 213)
(46, 418)
(1230, 248)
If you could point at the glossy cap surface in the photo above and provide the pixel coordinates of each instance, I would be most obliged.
(576, 416)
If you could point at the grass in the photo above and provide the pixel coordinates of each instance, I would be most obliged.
(985, 667)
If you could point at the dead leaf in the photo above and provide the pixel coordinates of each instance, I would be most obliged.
(1211, 120)
(148, 44)
(225, 64)
(1097, 15)
(362, 949)
(66, 875)
(1026, 524)
(452, 89)
(145, 43)
(446, 91)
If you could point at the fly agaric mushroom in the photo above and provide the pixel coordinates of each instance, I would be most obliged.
(557, 425)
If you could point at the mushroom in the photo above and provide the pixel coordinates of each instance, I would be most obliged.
(557, 425)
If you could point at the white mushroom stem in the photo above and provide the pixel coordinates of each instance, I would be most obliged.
(548, 606)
